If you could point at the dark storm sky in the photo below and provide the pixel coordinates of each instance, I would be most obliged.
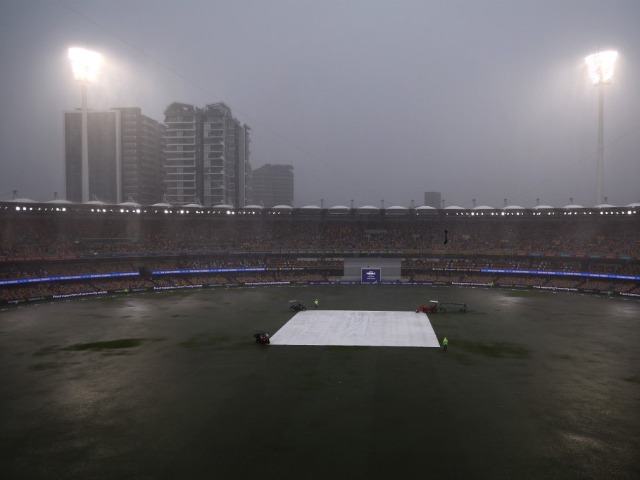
(368, 100)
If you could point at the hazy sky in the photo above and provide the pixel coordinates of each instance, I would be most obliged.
(369, 100)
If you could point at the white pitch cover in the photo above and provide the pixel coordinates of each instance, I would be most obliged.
(357, 328)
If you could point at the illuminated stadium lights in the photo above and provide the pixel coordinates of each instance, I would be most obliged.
(569, 210)
(85, 64)
(600, 66)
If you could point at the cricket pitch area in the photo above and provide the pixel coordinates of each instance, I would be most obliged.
(357, 328)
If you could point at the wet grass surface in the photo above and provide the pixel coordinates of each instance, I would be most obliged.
(174, 386)
(200, 341)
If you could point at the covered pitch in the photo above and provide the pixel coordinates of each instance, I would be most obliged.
(357, 328)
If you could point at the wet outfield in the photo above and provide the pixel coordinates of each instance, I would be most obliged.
(534, 386)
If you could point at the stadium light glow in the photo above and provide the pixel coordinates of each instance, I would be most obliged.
(600, 66)
(85, 64)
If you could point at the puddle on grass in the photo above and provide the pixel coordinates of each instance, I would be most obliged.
(494, 350)
(106, 345)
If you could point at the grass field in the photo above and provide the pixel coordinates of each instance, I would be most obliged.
(174, 386)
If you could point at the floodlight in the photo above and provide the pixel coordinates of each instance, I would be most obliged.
(600, 66)
(600, 69)
(85, 64)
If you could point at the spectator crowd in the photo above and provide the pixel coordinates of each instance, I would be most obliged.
(40, 252)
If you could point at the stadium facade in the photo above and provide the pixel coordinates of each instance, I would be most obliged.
(207, 156)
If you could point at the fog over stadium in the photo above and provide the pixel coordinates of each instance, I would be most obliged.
(370, 101)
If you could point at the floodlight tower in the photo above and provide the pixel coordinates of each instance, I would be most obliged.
(85, 64)
(600, 68)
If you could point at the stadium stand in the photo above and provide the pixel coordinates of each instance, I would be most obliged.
(48, 253)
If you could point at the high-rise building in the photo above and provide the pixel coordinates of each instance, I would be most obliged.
(272, 185)
(142, 157)
(104, 142)
(207, 156)
(433, 199)
(180, 153)
(125, 156)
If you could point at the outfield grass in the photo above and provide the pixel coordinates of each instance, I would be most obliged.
(174, 386)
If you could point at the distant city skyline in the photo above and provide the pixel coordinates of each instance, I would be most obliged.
(481, 101)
